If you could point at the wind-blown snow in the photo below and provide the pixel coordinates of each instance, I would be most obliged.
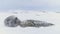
(50, 17)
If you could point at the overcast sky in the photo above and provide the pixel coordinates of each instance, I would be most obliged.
(30, 4)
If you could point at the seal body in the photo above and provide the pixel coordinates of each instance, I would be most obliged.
(34, 23)
(13, 21)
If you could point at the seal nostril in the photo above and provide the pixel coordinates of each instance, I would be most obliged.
(51, 24)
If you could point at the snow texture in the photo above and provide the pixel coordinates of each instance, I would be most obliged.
(50, 17)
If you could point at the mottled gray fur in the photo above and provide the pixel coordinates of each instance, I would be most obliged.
(34, 23)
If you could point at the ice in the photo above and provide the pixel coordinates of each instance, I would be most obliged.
(50, 17)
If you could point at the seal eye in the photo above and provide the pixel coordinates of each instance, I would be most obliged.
(15, 21)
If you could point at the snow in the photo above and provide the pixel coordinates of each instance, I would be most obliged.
(50, 17)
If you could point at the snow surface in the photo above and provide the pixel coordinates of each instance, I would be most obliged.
(50, 17)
